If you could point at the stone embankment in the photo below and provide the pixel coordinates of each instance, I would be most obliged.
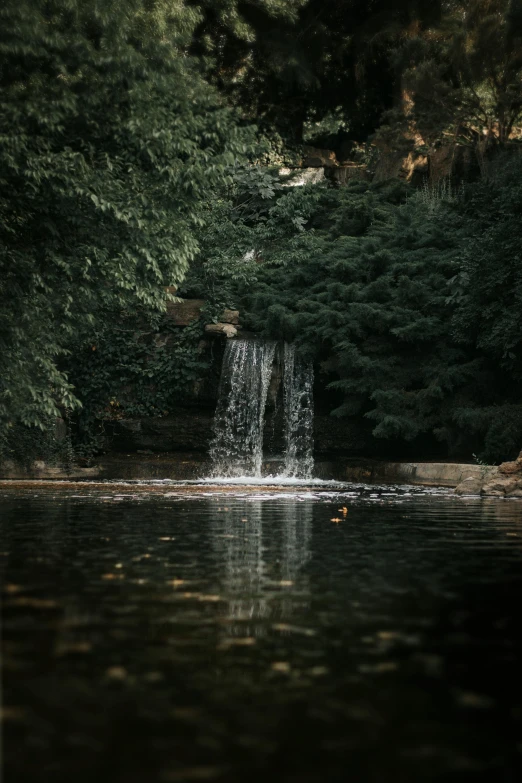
(145, 464)
(501, 482)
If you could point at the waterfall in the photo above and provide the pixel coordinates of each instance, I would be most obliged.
(237, 446)
(299, 414)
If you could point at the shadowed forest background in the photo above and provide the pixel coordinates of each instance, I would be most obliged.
(147, 150)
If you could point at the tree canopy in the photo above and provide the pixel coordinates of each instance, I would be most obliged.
(109, 139)
(136, 144)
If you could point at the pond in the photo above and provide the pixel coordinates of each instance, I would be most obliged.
(166, 633)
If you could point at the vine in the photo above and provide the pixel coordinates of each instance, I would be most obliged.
(132, 367)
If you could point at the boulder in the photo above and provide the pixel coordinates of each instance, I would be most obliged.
(230, 317)
(185, 312)
(500, 486)
(221, 330)
(470, 486)
(508, 468)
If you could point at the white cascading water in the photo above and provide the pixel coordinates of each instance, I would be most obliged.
(298, 380)
(237, 446)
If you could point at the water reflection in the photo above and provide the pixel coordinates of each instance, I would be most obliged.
(262, 557)
(172, 638)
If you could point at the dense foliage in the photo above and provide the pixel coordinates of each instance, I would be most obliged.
(462, 79)
(129, 164)
(408, 301)
(110, 138)
(132, 367)
(412, 302)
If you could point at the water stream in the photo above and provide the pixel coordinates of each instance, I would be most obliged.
(299, 414)
(237, 447)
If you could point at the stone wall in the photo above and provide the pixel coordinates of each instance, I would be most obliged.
(504, 481)
(447, 162)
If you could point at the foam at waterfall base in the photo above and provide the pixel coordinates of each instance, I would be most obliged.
(271, 481)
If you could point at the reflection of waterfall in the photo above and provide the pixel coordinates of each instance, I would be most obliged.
(240, 547)
(237, 447)
(299, 414)
(260, 565)
(297, 532)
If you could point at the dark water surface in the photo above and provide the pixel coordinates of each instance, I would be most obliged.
(199, 636)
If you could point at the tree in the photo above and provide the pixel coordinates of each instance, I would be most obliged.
(370, 295)
(287, 63)
(109, 140)
(462, 78)
(487, 308)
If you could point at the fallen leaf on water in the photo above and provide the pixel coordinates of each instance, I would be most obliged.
(34, 603)
(293, 629)
(475, 700)
(116, 673)
(11, 589)
(336, 519)
(11, 713)
(281, 666)
(245, 641)
(318, 671)
(379, 668)
(388, 635)
(343, 510)
(153, 677)
(166, 538)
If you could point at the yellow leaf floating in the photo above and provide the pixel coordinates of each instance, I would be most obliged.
(281, 666)
(242, 641)
(116, 673)
(336, 519)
